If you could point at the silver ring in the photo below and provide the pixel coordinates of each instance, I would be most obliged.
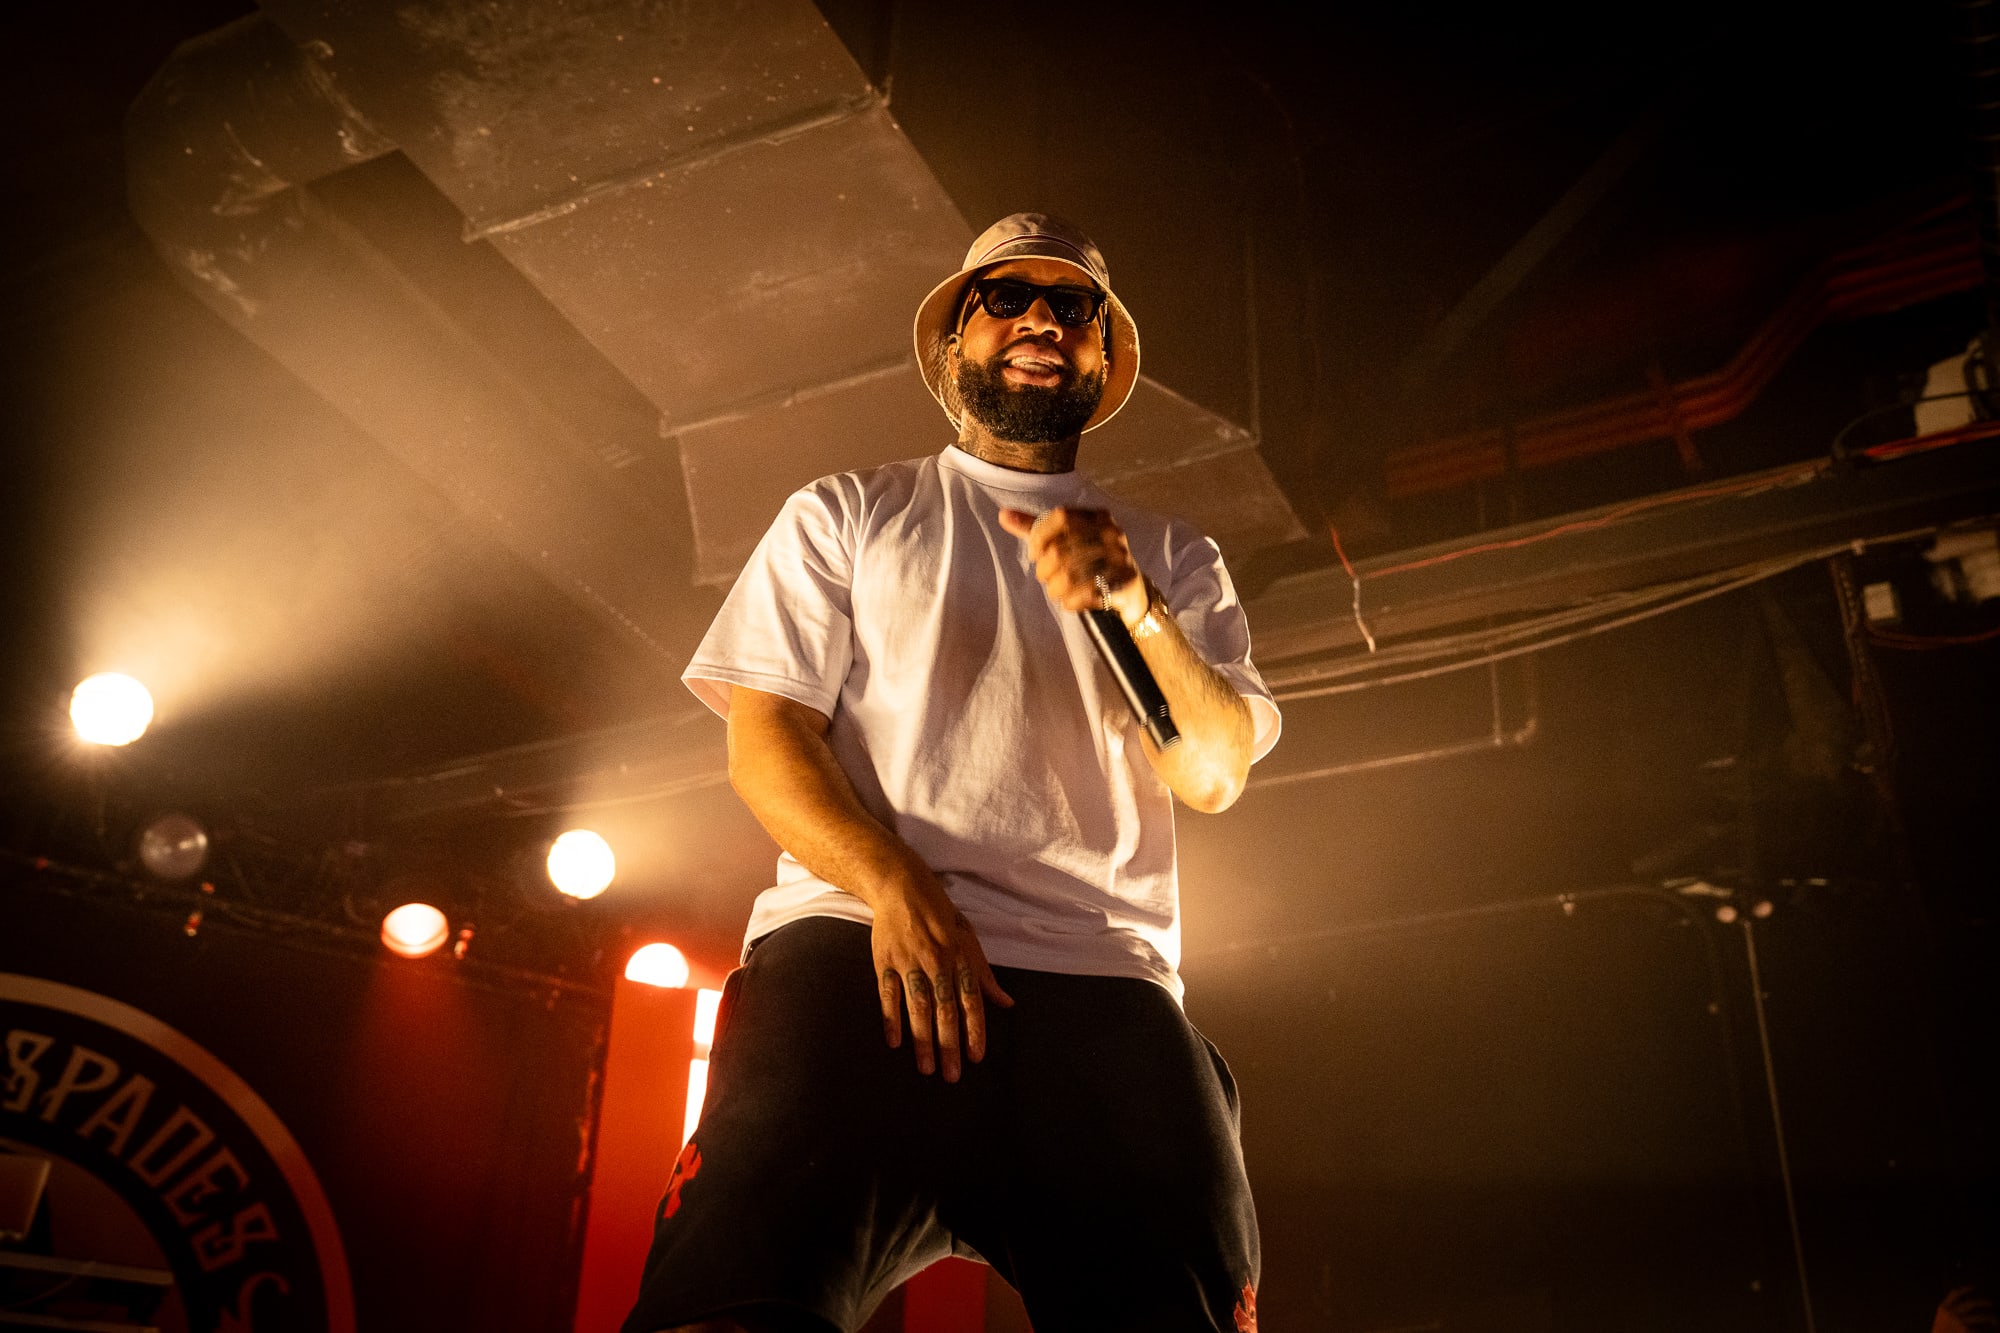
(1103, 593)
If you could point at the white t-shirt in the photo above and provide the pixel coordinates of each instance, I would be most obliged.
(972, 715)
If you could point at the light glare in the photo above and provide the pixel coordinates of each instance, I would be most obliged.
(581, 864)
(659, 965)
(110, 709)
(414, 930)
(697, 1094)
(706, 1003)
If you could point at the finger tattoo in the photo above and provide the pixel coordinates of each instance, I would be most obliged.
(968, 982)
(919, 987)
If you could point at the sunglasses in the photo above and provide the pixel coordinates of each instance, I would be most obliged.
(1010, 298)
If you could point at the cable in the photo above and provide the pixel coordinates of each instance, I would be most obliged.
(1740, 486)
(1499, 644)
(1484, 640)
(1839, 447)
(1743, 577)
(658, 792)
(1354, 579)
(1480, 640)
(1920, 444)
(1805, 472)
(1927, 642)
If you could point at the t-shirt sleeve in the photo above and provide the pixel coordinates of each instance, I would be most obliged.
(1204, 603)
(786, 627)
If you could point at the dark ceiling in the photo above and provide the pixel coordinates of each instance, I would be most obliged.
(1301, 204)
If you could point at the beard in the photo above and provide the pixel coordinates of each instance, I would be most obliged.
(1028, 413)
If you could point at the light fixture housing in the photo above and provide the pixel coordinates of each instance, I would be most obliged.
(173, 847)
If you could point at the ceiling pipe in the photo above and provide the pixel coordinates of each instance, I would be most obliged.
(1933, 259)
(215, 145)
(223, 147)
(727, 217)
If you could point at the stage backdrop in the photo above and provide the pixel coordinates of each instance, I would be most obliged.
(306, 1138)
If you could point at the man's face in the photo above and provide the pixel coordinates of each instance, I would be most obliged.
(1029, 379)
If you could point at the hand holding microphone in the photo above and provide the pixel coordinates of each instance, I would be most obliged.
(1082, 559)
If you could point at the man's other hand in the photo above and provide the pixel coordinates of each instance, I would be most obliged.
(925, 951)
(928, 961)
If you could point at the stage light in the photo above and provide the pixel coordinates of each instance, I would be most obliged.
(173, 847)
(581, 864)
(415, 930)
(706, 1004)
(697, 1094)
(110, 709)
(658, 965)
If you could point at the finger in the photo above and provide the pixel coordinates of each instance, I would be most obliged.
(1089, 558)
(891, 994)
(1017, 521)
(922, 1004)
(947, 1026)
(975, 1012)
(1080, 593)
(1052, 531)
(990, 986)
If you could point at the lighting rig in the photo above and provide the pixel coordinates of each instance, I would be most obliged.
(528, 905)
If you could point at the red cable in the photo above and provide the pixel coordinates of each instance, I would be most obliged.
(1921, 642)
(1917, 444)
(1367, 636)
(1341, 551)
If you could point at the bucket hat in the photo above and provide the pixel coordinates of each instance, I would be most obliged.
(1026, 236)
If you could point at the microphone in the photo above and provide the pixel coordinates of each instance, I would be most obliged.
(1135, 678)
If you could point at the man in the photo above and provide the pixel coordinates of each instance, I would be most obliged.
(957, 1025)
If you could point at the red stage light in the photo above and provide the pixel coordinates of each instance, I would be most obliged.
(697, 1094)
(658, 965)
(706, 1004)
(415, 930)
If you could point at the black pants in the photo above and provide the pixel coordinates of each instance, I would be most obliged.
(1092, 1158)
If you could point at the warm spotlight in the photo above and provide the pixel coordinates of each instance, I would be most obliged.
(173, 847)
(581, 864)
(697, 1094)
(415, 930)
(658, 965)
(707, 1004)
(110, 709)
